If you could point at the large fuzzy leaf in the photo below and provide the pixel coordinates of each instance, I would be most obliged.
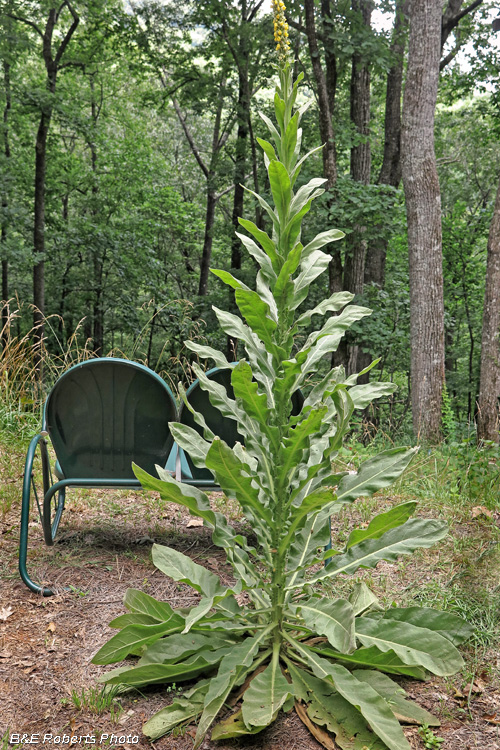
(299, 439)
(141, 603)
(181, 711)
(386, 661)
(149, 674)
(232, 670)
(334, 303)
(208, 352)
(262, 258)
(317, 499)
(403, 540)
(280, 188)
(326, 707)
(265, 696)
(414, 646)
(177, 647)
(382, 523)
(133, 638)
(363, 395)
(267, 243)
(316, 263)
(233, 726)
(337, 325)
(194, 500)
(405, 711)
(132, 619)
(246, 389)
(361, 695)
(181, 568)
(305, 194)
(375, 474)
(334, 619)
(257, 315)
(446, 624)
(220, 399)
(188, 439)
(362, 599)
(322, 239)
(234, 478)
(229, 279)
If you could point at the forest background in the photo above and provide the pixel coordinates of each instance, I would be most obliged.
(129, 130)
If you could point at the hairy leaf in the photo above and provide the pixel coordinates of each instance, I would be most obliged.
(334, 619)
(382, 523)
(414, 646)
(265, 696)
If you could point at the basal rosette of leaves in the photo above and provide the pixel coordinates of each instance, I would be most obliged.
(291, 647)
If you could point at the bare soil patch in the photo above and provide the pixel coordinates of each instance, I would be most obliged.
(103, 548)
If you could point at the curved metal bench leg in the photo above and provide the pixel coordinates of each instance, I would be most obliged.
(25, 517)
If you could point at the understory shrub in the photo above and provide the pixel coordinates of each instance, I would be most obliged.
(289, 647)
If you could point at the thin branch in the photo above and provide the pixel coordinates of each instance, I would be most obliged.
(450, 56)
(69, 34)
(25, 20)
(189, 137)
(229, 188)
(254, 11)
(451, 21)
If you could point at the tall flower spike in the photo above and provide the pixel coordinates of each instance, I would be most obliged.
(281, 32)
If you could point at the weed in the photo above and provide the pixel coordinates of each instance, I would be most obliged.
(430, 740)
(6, 744)
(98, 700)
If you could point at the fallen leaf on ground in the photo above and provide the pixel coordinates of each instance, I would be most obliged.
(492, 719)
(51, 627)
(480, 510)
(5, 612)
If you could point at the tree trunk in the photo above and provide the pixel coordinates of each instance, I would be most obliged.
(326, 86)
(423, 209)
(489, 384)
(354, 267)
(5, 205)
(390, 173)
(97, 255)
(51, 62)
(207, 242)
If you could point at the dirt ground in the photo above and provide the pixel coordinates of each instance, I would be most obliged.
(103, 548)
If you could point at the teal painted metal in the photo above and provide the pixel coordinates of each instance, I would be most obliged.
(101, 416)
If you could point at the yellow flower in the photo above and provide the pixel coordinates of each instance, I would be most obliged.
(280, 30)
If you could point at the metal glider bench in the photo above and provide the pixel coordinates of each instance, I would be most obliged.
(102, 415)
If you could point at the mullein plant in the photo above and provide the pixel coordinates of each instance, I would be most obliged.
(293, 645)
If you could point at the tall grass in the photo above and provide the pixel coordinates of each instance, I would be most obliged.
(22, 392)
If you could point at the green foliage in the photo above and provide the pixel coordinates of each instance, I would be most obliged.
(98, 700)
(290, 644)
(476, 469)
(429, 738)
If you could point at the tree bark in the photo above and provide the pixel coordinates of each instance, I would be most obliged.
(390, 172)
(5, 205)
(206, 253)
(98, 254)
(423, 208)
(52, 63)
(354, 266)
(489, 384)
(326, 86)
